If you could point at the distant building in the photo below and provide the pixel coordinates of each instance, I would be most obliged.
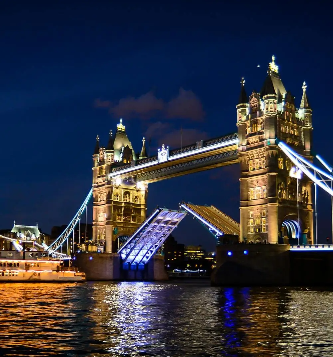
(173, 254)
(194, 257)
(23, 234)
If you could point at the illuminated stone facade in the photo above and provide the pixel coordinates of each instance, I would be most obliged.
(273, 204)
(119, 205)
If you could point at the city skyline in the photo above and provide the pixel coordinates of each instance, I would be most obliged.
(70, 73)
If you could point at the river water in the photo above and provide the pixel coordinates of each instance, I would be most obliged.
(182, 318)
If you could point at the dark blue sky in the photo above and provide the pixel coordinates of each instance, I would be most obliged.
(62, 61)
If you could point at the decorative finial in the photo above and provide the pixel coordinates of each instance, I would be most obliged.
(273, 67)
(120, 126)
(143, 139)
(304, 86)
(242, 82)
(110, 132)
(97, 138)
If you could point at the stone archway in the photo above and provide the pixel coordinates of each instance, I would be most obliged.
(291, 231)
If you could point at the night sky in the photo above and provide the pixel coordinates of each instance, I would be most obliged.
(70, 69)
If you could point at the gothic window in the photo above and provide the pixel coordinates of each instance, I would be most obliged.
(258, 220)
(263, 214)
(101, 170)
(127, 214)
(250, 165)
(250, 225)
(280, 163)
(262, 163)
(251, 214)
(258, 193)
(288, 165)
(126, 196)
(136, 199)
(254, 127)
(306, 120)
(251, 195)
(256, 163)
(116, 197)
(264, 192)
(263, 225)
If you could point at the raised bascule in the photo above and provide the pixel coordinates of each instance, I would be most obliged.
(273, 146)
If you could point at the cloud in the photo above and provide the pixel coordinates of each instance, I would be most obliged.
(185, 106)
(143, 107)
(156, 130)
(183, 137)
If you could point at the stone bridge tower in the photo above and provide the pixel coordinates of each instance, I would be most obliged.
(119, 206)
(275, 206)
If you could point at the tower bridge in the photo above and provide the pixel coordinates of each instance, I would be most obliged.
(273, 146)
(274, 206)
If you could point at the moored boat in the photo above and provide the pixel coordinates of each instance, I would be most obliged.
(34, 267)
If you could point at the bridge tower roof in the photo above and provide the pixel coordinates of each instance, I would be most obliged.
(273, 83)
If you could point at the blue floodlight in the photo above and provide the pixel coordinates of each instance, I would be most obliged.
(246, 252)
(229, 253)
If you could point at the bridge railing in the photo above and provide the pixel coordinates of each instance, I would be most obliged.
(311, 247)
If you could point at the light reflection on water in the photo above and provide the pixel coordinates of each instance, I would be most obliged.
(163, 319)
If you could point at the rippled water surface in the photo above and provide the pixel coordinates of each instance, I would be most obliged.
(163, 319)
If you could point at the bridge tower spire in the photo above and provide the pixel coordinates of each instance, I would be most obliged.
(273, 204)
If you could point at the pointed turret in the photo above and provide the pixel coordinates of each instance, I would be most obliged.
(305, 102)
(242, 97)
(121, 141)
(268, 87)
(96, 151)
(111, 142)
(273, 83)
(143, 153)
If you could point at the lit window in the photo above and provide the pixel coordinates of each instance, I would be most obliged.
(250, 165)
(263, 224)
(280, 163)
(251, 194)
(258, 193)
(256, 163)
(264, 192)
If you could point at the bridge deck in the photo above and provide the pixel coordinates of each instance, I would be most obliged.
(150, 236)
(217, 222)
(201, 156)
